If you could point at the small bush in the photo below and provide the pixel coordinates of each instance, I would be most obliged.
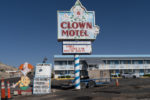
(2, 70)
(52, 75)
(62, 76)
(68, 76)
(115, 75)
(59, 76)
(147, 75)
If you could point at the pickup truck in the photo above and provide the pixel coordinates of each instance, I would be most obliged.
(130, 75)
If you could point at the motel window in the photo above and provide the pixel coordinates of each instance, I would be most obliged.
(117, 71)
(110, 62)
(113, 62)
(70, 62)
(137, 61)
(60, 62)
(60, 72)
(116, 61)
(104, 61)
(147, 61)
(141, 70)
(56, 63)
(70, 72)
(93, 66)
(125, 61)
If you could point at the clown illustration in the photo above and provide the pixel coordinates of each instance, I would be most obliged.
(79, 11)
(24, 82)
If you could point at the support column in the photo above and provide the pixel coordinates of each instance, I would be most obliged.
(77, 72)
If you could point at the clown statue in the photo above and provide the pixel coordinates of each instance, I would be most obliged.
(24, 82)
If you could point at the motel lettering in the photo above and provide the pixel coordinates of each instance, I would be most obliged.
(75, 28)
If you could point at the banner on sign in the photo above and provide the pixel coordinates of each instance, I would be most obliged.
(41, 85)
(77, 47)
(43, 70)
(77, 24)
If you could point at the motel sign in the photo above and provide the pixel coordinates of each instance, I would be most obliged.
(76, 29)
(77, 24)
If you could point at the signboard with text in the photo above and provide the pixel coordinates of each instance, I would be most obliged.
(77, 47)
(41, 85)
(43, 70)
(42, 79)
(77, 24)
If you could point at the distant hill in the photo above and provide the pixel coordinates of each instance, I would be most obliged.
(3, 70)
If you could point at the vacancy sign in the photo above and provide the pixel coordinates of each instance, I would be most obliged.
(77, 24)
(79, 47)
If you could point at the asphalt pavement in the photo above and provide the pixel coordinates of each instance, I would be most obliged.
(129, 89)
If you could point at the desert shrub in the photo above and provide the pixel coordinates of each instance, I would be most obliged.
(147, 75)
(2, 70)
(68, 76)
(62, 76)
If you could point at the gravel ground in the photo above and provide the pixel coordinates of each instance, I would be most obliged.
(129, 89)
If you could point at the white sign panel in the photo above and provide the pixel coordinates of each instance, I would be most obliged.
(77, 24)
(43, 70)
(41, 86)
(77, 49)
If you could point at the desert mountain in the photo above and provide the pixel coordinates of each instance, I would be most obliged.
(4, 70)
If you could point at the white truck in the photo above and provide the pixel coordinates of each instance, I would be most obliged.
(130, 75)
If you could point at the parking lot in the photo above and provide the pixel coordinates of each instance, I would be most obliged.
(129, 89)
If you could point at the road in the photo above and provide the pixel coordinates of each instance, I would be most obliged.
(129, 89)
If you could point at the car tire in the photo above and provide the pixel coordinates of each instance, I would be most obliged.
(83, 85)
(134, 76)
(91, 84)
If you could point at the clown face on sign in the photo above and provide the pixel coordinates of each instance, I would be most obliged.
(78, 12)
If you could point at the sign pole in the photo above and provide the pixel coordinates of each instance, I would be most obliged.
(77, 71)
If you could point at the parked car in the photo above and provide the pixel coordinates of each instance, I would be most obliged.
(130, 75)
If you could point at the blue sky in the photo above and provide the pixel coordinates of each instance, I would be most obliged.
(28, 28)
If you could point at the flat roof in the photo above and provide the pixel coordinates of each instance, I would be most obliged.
(104, 56)
(96, 59)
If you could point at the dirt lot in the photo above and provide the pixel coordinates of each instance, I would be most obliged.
(129, 89)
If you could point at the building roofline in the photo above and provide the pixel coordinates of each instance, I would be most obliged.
(106, 56)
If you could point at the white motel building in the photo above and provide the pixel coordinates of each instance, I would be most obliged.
(114, 64)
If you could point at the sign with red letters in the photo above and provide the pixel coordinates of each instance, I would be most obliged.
(80, 47)
(77, 24)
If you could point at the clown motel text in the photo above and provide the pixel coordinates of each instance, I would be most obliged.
(71, 29)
